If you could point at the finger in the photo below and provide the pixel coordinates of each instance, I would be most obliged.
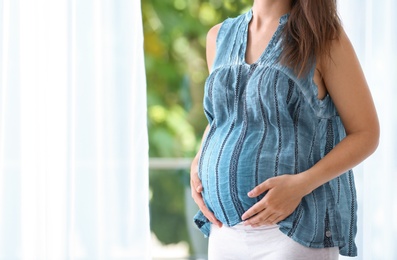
(196, 186)
(261, 188)
(198, 199)
(199, 188)
(195, 182)
(278, 219)
(261, 219)
(211, 217)
(258, 207)
(271, 220)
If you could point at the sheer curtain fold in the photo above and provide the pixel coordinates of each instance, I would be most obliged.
(73, 184)
(372, 29)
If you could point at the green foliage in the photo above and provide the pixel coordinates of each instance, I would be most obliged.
(175, 36)
(167, 209)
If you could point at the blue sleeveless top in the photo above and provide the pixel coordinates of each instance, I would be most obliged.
(264, 122)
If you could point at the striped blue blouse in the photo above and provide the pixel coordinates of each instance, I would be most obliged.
(264, 122)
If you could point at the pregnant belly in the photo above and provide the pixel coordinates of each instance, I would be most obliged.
(231, 166)
(227, 179)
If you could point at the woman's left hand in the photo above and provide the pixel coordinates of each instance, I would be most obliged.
(284, 194)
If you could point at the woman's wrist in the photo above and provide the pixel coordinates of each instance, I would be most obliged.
(307, 182)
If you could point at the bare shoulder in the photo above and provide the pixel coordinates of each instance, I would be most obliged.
(341, 51)
(211, 44)
(348, 88)
(341, 70)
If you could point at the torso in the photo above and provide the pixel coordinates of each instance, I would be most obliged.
(264, 122)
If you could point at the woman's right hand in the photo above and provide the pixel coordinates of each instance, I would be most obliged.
(197, 188)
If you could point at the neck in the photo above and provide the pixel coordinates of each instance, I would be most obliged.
(269, 10)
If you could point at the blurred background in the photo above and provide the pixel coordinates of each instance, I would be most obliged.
(175, 35)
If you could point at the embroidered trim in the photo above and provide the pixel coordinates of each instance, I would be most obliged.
(278, 126)
(265, 126)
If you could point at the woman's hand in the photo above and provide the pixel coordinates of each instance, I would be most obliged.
(283, 196)
(197, 188)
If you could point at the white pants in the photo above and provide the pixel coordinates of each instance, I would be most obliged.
(266, 242)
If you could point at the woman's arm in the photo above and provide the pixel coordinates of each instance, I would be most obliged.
(195, 182)
(346, 84)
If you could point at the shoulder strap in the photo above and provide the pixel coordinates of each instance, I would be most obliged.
(228, 41)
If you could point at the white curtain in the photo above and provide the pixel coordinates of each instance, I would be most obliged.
(73, 139)
(372, 29)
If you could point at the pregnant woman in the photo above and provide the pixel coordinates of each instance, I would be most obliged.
(290, 114)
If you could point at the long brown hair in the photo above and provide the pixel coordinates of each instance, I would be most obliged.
(311, 27)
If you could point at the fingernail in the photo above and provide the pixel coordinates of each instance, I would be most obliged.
(198, 189)
(250, 193)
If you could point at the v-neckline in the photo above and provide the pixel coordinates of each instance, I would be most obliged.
(283, 19)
